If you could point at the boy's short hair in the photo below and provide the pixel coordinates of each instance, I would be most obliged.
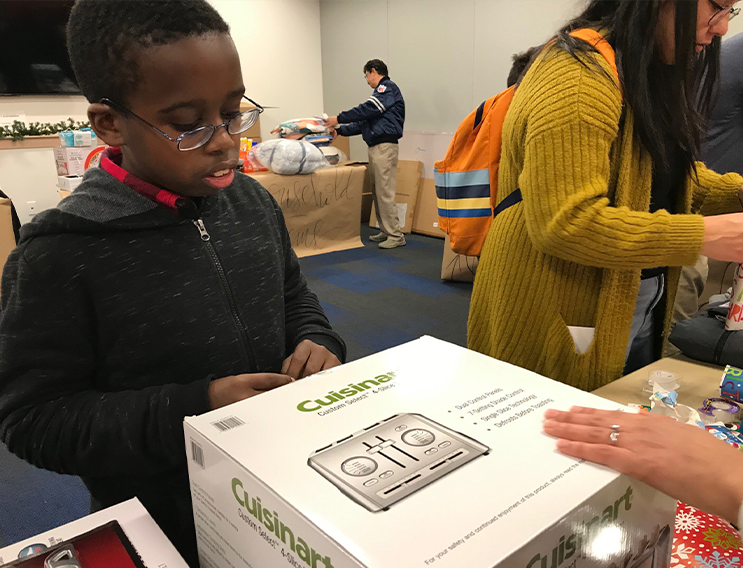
(377, 64)
(521, 62)
(104, 35)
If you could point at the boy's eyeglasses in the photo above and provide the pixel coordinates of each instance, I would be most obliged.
(199, 136)
(721, 12)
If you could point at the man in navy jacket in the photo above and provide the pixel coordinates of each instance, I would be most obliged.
(380, 121)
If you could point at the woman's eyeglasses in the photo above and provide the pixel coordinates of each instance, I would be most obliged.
(197, 137)
(721, 12)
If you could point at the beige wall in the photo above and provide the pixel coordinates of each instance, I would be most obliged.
(279, 46)
(446, 56)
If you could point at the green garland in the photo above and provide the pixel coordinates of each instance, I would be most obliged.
(19, 130)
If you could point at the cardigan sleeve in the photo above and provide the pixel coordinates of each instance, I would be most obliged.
(713, 193)
(573, 121)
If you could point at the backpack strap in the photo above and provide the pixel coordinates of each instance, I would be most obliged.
(599, 43)
(511, 199)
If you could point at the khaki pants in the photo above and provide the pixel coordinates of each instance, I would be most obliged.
(383, 171)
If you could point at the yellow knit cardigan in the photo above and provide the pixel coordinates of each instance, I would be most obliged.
(571, 253)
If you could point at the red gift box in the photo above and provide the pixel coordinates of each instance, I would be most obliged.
(704, 541)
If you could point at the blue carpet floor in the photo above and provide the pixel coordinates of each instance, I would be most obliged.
(375, 299)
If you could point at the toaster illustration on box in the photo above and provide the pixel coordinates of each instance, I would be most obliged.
(656, 553)
(387, 461)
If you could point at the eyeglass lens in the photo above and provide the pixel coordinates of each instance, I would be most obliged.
(199, 137)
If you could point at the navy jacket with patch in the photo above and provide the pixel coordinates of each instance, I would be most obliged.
(379, 119)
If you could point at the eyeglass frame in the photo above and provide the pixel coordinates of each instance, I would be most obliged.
(731, 10)
(257, 110)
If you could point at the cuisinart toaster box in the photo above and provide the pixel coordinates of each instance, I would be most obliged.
(426, 454)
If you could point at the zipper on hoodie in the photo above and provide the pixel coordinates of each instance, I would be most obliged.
(247, 344)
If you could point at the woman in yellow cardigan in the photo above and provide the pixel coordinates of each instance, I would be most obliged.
(613, 196)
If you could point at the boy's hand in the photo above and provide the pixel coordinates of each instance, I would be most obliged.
(308, 358)
(234, 388)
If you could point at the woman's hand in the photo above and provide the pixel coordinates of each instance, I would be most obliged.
(683, 461)
(723, 237)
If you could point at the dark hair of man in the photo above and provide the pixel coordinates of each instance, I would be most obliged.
(104, 38)
(671, 103)
(376, 64)
(521, 62)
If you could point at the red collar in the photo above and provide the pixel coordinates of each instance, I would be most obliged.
(110, 162)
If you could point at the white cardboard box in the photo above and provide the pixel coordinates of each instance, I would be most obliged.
(73, 161)
(153, 547)
(68, 183)
(426, 454)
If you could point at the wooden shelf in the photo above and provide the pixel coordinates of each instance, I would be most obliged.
(30, 142)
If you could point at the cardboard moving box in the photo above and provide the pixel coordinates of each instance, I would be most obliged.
(406, 194)
(321, 209)
(426, 454)
(7, 236)
(426, 220)
(343, 144)
(255, 130)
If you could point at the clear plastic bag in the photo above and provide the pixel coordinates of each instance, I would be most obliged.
(333, 155)
(290, 157)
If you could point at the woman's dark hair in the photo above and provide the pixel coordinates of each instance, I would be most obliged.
(671, 103)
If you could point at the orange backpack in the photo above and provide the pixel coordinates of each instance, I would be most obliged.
(467, 178)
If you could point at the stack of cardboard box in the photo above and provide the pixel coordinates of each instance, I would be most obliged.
(7, 236)
(254, 132)
(406, 194)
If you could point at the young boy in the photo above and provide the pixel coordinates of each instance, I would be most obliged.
(165, 285)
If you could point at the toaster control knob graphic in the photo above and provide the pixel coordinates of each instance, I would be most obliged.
(418, 437)
(359, 466)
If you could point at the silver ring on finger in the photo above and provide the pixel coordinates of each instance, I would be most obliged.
(614, 434)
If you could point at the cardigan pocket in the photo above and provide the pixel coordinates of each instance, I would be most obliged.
(561, 360)
(582, 337)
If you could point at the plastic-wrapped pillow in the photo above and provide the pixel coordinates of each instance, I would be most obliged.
(290, 157)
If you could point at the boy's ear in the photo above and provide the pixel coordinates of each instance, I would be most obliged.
(106, 123)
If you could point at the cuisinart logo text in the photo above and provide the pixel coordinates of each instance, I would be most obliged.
(271, 521)
(570, 544)
(350, 392)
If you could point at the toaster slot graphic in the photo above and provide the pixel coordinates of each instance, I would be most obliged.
(387, 461)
